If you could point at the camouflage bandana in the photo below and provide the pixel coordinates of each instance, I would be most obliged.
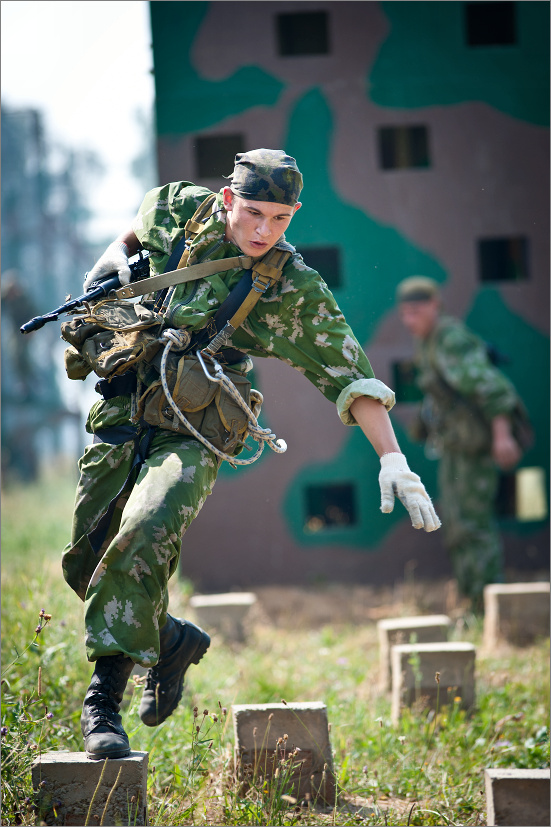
(266, 175)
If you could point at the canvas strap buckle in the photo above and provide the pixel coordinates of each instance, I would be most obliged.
(261, 283)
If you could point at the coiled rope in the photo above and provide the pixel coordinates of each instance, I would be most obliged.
(179, 339)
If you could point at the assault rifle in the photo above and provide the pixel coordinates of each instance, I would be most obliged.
(98, 289)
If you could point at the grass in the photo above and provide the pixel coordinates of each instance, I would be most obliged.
(428, 770)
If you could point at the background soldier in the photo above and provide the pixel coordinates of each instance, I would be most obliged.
(467, 419)
(122, 577)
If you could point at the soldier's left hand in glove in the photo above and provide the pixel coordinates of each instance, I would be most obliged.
(396, 479)
(113, 260)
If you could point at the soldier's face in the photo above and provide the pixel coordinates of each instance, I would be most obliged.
(420, 316)
(255, 226)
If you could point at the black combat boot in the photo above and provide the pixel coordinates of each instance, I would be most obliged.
(182, 643)
(100, 722)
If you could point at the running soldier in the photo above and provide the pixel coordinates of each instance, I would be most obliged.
(145, 477)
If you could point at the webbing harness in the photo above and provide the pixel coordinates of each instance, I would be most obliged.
(259, 275)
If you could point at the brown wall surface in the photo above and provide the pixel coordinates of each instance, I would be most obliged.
(488, 177)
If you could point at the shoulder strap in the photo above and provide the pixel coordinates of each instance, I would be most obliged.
(199, 218)
(195, 224)
(181, 275)
(265, 273)
(236, 307)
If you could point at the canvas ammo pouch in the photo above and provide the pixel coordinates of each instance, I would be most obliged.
(115, 337)
(208, 408)
(110, 338)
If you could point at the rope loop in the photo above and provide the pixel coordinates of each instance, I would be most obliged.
(180, 339)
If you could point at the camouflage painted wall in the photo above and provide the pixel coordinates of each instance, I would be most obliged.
(219, 72)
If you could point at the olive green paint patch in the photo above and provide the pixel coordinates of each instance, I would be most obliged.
(185, 101)
(426, 61)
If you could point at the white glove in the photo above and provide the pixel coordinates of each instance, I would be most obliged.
(113, 260)
(395, 478)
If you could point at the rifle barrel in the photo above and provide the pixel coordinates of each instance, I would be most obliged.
(101, 289)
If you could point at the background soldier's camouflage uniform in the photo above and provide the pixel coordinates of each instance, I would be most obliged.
(297, 321)
(464, 391)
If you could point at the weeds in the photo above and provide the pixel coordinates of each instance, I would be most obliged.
(428, 770)
(24, 718)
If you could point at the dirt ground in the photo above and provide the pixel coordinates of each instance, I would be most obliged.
(339, 604)
(343, 604)
(312, 607)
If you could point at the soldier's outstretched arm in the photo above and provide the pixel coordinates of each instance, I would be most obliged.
(395, 477)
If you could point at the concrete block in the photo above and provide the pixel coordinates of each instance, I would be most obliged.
(223, 612)
(414, 667)
(396, 630)
(67, 782)
(516, 613)
(266, 737)
(519, 798)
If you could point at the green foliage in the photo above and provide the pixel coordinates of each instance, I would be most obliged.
(428, 770)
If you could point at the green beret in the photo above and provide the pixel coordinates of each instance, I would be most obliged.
(266, 175)
(417, 289)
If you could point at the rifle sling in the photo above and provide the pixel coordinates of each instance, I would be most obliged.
(179, 276)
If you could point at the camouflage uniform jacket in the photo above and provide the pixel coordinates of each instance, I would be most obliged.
(297, 321)
(463, 390)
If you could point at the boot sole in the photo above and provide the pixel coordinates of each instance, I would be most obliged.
(95, 757)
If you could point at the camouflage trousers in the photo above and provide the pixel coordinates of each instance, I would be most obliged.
(467, 492)
(124, 585)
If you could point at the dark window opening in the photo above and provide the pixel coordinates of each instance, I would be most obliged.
(215, 154)
(330, 506)
(491, 24)
(402, 147)
(303, 33)
(405, 381)
(503, 259)
(327, 261)
(506, 496)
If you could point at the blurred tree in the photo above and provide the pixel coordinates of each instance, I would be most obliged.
(144, 166)
(45, 253)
